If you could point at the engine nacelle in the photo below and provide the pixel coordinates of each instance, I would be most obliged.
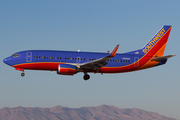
(66, 69)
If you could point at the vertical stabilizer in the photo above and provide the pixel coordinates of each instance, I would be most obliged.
(156, 46)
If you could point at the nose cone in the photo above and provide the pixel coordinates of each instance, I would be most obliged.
(7, 61)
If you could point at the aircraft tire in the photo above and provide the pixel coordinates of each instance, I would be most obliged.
(86, 77)
(22, 74)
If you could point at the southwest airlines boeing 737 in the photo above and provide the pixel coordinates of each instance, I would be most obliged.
(70, 63)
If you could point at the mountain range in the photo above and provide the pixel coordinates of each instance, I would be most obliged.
(103, 112)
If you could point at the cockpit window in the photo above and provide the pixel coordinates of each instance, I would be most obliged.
(15, 55)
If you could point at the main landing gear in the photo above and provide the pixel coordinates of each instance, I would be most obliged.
(86, 76)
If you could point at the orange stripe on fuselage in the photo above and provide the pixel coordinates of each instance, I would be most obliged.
(153, 63)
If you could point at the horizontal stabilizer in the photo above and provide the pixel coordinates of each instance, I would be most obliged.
(162, 58)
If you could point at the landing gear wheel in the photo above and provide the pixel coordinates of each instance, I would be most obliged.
(86, 77)
(22, 74)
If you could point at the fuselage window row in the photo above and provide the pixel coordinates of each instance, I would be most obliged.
(45, 57)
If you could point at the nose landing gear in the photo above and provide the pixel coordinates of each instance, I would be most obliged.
(86, 76)
(22, 74)
(21, 69)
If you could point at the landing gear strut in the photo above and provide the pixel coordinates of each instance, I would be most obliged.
(22, 74)
(86, 76)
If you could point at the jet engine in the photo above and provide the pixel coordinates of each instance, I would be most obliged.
(66, 69)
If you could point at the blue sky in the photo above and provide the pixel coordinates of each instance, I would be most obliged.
(96, 26)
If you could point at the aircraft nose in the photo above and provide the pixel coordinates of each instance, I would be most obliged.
(6, 61)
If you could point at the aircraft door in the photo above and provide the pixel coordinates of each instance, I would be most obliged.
(136, 62)
(28, 56)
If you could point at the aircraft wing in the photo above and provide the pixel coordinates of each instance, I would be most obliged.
(98, 63)
(161, 58)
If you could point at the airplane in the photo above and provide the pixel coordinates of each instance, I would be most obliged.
(71, 62)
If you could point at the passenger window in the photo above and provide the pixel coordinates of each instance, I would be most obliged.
(44, 56)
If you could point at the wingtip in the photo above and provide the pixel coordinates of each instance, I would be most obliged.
(173, 55)
(113, 53)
